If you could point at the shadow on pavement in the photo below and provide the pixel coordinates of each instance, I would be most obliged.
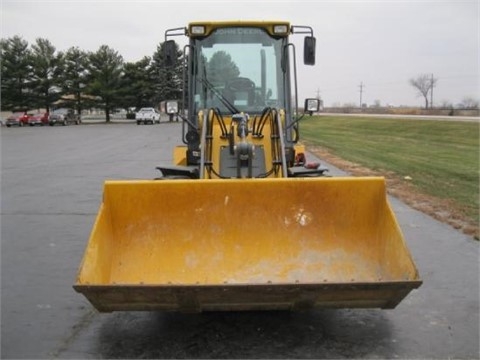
(312, 334)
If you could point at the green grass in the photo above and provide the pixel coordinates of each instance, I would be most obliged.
(441, 157)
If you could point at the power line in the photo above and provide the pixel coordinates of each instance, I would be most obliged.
(404, 83)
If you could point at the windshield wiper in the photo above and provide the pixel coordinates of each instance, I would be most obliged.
(222, 98)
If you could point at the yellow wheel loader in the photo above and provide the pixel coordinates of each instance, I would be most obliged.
(239, 221)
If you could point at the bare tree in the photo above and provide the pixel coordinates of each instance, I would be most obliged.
(446, 104)
(424, 84)
(470, 103)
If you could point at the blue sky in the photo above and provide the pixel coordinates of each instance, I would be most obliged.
(379, 43)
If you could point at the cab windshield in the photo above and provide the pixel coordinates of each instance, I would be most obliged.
(238, 69)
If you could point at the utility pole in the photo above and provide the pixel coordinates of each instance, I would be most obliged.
(319, 99)
(361, 86)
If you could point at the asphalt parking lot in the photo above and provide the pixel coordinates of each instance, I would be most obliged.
(51, 188)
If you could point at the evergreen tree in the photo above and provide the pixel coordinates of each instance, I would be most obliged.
(47, 67)
(138, 84)
(74, 77)
(16, 73)
(168, 80)
(105, 76)
(221, 68)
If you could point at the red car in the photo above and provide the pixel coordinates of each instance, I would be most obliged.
(39, 119)
(18, 119)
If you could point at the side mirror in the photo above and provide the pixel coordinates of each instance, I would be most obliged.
(309, 50)
(170, 53)
(312, 105)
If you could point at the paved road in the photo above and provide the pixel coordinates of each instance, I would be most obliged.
(51, 187)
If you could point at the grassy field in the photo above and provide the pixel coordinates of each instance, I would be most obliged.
(441, 157)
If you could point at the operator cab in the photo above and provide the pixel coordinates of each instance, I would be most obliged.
(241, 67)
(238, 69)
(241, 70)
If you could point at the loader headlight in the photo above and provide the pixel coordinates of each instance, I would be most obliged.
(280, 29)
(197, 30)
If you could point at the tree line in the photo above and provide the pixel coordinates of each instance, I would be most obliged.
(39, 76)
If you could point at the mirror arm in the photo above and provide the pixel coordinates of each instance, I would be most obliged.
(181, 31)
(293, 123)
(300, 29)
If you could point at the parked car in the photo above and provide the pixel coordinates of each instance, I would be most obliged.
(40, 118)
(64, 117)
(147, 116)
(18, 119)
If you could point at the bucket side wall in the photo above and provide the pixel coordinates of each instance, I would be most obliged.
(97, 261)
(395, 253)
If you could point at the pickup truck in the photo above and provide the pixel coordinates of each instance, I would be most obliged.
(64, 117)
(147, 116)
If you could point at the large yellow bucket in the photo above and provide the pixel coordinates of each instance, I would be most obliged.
(245, 244)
